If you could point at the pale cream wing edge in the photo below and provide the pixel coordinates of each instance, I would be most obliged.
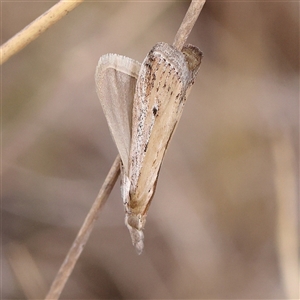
(116, 77)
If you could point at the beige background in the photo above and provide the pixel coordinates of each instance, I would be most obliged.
(223, 222)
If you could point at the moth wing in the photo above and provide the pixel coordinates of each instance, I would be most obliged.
(166, 76)
(116, 77)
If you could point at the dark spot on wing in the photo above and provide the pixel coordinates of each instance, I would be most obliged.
(148, 65)
(146, 146)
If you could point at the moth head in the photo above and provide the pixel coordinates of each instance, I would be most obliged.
(193, 57)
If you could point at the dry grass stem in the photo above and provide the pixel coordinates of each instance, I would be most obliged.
(188, 23)
(84, 233)
(36, 28)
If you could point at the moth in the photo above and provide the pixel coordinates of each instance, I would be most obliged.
(143, 104)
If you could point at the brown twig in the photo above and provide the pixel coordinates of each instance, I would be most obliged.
(82, 237)
(188, 23)
(36, 28)
(84, 233)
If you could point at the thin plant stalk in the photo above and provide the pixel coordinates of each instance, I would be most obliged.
(36, 28)
(188, 23)
(84, 233)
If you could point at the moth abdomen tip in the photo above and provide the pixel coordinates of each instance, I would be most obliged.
(139, 247)
(135, 228)
(137, 237)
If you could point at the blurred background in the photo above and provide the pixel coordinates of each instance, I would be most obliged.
(223, 223)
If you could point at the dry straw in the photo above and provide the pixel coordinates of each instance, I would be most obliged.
(36, 28)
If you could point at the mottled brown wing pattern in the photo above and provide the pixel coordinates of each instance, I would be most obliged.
(165, 76)
(142, 105)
